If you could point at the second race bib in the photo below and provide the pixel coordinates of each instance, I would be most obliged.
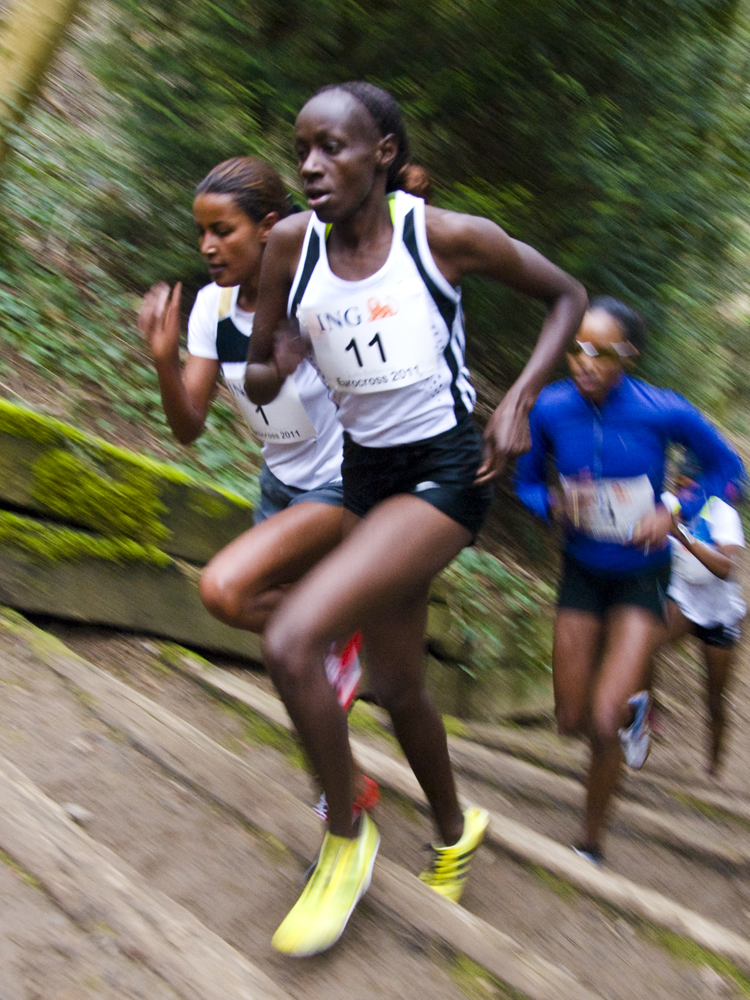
(607, 509)
(282, 421)
(370, 344)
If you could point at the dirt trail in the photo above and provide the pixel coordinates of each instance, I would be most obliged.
(239, 882)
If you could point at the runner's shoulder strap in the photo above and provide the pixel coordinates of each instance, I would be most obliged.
(231, 343)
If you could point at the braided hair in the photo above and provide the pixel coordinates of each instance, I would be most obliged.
(386, 114)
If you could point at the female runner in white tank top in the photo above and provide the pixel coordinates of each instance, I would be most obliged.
(375, 283)
(236, 206)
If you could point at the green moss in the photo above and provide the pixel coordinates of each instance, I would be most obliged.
(257, 731)
(86, 477)
(689, 951)
(706, 809)
(477, 983)
(209, 505)
(77, 491)
(6, 859)
(363, 721)
(558, 885)
(456, 727)
(48, 543)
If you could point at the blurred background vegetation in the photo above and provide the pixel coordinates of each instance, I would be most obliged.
(613, 136)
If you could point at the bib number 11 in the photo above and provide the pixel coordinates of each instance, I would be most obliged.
(352, 346)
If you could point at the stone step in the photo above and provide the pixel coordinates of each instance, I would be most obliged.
(519, 840)
(52, 469)
(50, 569)
(262, 804)
(97, 889)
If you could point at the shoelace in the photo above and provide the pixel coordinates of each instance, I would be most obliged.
(447, 864)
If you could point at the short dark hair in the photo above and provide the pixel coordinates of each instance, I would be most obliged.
(631, 321)
(385, 112)
(255, 186)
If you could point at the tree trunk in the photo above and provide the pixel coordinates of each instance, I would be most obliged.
(30, 32)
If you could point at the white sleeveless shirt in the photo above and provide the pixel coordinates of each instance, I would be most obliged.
(302, 438)
(391, 346)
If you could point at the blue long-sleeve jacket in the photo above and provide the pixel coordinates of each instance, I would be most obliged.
(626, 437)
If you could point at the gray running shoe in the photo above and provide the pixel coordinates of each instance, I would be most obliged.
(591, 854)
(636, 738)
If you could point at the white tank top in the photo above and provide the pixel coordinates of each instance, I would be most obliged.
(301, 435)
(391, 346)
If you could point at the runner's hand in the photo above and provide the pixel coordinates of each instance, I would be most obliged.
(159, 320)
(652, 529)
(290, 348)
(506, 436)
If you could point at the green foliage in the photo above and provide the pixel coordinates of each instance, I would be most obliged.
(502, 619)
(66, 315)
(610, 135)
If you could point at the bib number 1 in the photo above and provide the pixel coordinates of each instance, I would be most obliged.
(282, 421)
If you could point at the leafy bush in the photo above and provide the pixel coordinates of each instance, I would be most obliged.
(502, 619)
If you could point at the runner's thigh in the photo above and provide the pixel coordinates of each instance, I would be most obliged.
(577, 642)
(385, 563)
(279, 550)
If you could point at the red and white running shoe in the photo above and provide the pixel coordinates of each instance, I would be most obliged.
(367, 800)
(344, 671)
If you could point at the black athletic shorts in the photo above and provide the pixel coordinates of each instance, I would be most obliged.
(585, 590)
(720, 636)
(440, 470)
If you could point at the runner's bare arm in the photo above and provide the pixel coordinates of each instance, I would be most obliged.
(465, 244)
(185, 394)
(271, 360)
(721, 561)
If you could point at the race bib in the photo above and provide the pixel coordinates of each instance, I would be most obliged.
(282, 421)
(372, 344)
(607, 509)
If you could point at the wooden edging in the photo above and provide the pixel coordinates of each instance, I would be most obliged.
(262, 803)
(497, 768)
(570, 761)
(506, 771)
(96, 888)
(510, 836)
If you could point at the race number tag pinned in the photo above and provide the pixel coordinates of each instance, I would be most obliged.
(607, 509)
(282, 421)
(372, 344)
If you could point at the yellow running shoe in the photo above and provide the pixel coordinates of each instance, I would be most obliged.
(340, 879)
(450, 866)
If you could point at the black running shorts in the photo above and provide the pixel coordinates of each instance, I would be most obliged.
(584, 590)
(440, 470)
(718, 636)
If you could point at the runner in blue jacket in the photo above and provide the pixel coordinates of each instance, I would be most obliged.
(607, 434)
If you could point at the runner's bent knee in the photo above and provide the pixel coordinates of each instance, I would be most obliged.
(221, 593)
(606, 720)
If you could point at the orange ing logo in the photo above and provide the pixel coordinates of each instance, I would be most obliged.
(380, 310)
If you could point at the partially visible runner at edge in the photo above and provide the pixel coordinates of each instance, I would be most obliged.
(607, 434)
(705, 598)
(298, 519)
(373, 275)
